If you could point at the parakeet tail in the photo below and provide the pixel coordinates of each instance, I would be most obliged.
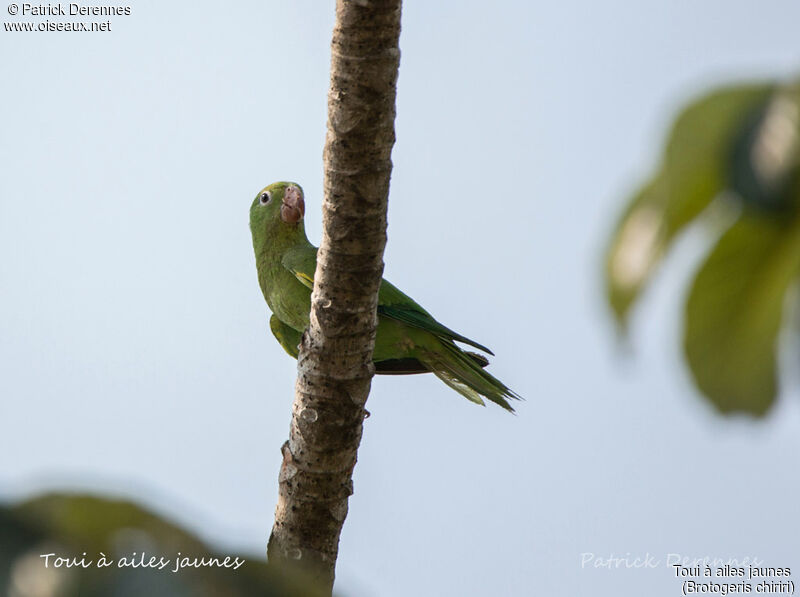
(460, 371)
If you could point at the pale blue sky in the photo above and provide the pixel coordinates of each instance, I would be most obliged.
(135, 356)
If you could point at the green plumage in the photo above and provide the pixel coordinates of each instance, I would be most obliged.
(408, 340)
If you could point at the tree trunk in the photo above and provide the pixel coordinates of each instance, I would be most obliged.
(334, 369)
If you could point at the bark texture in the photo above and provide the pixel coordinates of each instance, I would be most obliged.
(335, 362)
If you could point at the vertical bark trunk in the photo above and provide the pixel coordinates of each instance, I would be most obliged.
(335, 363)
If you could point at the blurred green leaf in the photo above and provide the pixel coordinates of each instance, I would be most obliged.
(71, 525)
(692, 174)
(764, 165)
(735, 309)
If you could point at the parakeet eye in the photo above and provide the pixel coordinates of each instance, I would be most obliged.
(265, 198)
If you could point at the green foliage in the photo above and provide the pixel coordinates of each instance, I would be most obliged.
(741, 143)
(692, 173)
(70, 526)
(734, 312)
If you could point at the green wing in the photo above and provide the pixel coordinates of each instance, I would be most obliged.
(392, 302)
(302, 262)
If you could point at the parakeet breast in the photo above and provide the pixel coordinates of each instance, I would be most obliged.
(287, 298)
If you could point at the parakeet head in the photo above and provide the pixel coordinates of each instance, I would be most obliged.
(277, 212)
(280, 200)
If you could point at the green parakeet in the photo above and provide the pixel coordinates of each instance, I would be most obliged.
(408, 340)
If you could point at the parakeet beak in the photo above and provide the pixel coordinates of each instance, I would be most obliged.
(293, 208)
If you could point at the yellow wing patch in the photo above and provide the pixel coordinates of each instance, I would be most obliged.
(302, 261)
(304, 278)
